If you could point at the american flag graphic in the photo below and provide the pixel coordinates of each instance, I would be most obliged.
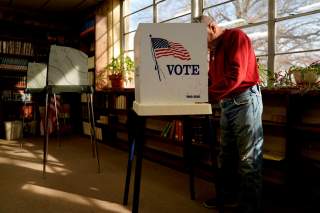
(163, 47)
(52, 118)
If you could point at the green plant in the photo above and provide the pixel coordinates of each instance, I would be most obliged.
(307, 77)
(274, 79)
(315, 67)
(120, 67)
(114, 67)
(281, 79)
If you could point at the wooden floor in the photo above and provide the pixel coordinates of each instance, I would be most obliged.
(72, 183)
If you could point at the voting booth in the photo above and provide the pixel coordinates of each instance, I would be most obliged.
(68, 69)
(68, 72)
(171, 69)
(171, 78)
(36, 76)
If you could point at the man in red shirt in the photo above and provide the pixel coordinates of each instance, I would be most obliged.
(233, 81)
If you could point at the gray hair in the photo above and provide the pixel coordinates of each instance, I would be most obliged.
(204, 19)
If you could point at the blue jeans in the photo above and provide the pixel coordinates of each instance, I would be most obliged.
(240, 157)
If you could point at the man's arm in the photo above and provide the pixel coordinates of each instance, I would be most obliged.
(236, 50)
(237, 61)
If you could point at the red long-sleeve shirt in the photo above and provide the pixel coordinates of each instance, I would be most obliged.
(234, 67)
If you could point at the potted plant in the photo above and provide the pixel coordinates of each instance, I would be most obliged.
(306, 76)
(119, 70)
(273, 79)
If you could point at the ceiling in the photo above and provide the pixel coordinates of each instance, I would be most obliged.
(55, 6)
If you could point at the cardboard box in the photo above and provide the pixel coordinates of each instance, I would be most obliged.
(13, 130)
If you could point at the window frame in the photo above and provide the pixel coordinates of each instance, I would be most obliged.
(198, 8)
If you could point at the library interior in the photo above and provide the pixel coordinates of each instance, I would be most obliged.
(112, 105)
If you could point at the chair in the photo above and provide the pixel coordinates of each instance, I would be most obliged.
(68, 72)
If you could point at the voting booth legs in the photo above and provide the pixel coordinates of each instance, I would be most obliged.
(136, 130)
(94, 145)
(132, 143)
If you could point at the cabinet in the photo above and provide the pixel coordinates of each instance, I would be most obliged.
(19, 45)
(164, 134)
(305, 136)
(15, 53)
(292, 135)
(112, 108)
(87, 45)
(276, 126)
(291, 122)
(14, 58)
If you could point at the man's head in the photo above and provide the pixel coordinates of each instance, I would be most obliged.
(213, 30)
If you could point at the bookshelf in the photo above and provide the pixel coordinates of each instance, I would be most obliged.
(305, 136)
(14, 58)
(20, 43)
(275, 117)
(87, 45)
(164, 134)
(17, 106)
(291, 123)
(112, 107)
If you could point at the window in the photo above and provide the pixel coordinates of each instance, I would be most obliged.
(292, 7)
(131, 6)
(296, 25)
(285, 61)
(208, 3)
(259, 38)
(298, 34)
(141, 11)
(143, 16)
(170, 9)
(128, 41)
(135, 12)
(182, 19)
(238, 13)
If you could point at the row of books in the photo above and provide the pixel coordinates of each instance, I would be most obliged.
(87, 130)
(91, 78)
(16, 47)
(15, 95)
(173, 130)
(17, 82)
(84, 98)
(103, 119)
(18, 64)
(277, 114)
(27, 111)
(120, 102)
(91, 62)
(14, 67)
